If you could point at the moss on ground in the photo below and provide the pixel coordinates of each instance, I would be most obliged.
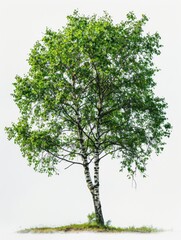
(86, 227)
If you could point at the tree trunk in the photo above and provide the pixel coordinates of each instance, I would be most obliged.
(97, 207)
(94, 190)
(95, 195)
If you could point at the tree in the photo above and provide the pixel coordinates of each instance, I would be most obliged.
(89, 94)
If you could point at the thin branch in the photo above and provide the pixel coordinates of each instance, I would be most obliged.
(104, 132)
(90, 160)
(70, 117)
(109, 111)
(69, 166)
(91, 131)
(70, 151)
(110, 153)
(88, 84)
(78, 124)
(63, 159)
(70, 105)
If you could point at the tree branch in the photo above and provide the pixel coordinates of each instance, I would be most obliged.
(66, 150)
(69, 166)
(110, 153)
(63, 159)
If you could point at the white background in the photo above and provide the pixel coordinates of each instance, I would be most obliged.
(32, 199)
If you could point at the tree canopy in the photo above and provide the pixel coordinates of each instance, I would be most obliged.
(89, 93)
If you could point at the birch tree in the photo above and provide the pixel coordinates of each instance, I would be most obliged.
(89, 93)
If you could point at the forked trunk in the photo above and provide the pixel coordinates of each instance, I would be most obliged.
(94, 190)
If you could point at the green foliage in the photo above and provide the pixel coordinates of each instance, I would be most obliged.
(90, 88)
(92, 218)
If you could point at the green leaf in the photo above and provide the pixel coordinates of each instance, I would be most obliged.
(89, 93)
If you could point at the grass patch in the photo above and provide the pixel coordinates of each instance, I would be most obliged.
(87, 227)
